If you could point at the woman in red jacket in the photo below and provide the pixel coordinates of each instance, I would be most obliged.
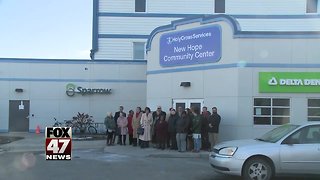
(130, 129)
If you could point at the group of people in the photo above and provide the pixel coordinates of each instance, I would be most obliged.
(181, 130)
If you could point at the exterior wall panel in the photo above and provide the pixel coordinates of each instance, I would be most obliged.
(131, 25)
(47, 91)
(181, 6)
(312, 24)
(265, 7)
(123, 6)
(118, 49)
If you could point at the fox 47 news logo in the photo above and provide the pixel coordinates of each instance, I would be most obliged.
(58, 143)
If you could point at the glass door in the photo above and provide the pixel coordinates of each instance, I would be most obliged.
(187, 103)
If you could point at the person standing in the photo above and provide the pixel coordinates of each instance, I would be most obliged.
(196, 128)
(161, 132)
(181, 129)
(156, 119)
(172, 129)
(146, 123)
(116, 116)
(204, 129)
(214, 123)
(110, 128)
(189, 130)
(135, 124)
(180, 110)
(130, 129)
(123, 128)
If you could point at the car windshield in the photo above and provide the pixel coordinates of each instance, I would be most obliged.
(277, 133)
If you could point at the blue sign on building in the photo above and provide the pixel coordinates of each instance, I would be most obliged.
(193, 46)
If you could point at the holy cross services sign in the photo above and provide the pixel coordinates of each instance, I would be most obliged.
(192, 46)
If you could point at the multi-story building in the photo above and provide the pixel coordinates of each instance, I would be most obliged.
(126, 25)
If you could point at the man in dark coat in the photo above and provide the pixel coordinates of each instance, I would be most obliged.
(204, 129)
(172, 129)
(116, 116)
(214, 122)
(181, 129)
(189, 130)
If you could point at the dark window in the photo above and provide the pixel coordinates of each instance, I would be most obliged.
(140, 6)
(262, 102)
(280, 120)
(306, 135)
(314, 109)
(262, 120)
(219, 6)
(312, 6)
(281, 102)
(314, 103)
(271, 111)
(138, 50)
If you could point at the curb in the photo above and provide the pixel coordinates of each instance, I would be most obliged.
(182, 155)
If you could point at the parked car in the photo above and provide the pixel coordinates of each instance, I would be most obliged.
(287, 149)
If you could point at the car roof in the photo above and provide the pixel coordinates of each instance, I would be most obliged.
(307, 123)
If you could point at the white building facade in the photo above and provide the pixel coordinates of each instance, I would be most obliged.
(256, 80)
(118, 62)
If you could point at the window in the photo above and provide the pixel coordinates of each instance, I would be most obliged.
(307, 135)
(140, 5)
(312, 6)
(271, 111)
(138, 50)
(219, 6)
(313, 109)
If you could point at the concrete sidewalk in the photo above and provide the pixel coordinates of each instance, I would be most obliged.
(153, 152)
(36, 142)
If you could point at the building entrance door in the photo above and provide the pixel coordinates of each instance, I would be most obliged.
(19, 115)
(188, 103)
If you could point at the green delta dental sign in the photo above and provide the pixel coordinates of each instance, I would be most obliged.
(289, 82)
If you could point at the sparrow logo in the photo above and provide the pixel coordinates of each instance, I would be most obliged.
(70, 89)
(273, 81)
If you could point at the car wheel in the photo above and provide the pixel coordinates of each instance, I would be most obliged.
(257, 169)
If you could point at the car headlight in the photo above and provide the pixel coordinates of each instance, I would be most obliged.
(228, 151)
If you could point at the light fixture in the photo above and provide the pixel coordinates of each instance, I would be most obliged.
(185, 84)
(19, 90)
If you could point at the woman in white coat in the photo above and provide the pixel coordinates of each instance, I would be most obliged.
(146, 123)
